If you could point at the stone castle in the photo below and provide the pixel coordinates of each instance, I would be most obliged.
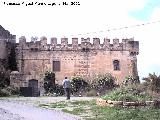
(85, 59)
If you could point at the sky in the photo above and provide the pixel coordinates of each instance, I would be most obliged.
(92, 18)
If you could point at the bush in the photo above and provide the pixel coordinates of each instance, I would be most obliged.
(59, 90)
(103, 82)
(78, 84)
(4, 79)
(8, 91)
(49, 82)
(128, 93)
(91, 92)
(129, 80)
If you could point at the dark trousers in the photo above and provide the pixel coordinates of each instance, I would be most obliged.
(67, 92)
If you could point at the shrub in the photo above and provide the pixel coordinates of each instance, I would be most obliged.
(91, 92)
(8, 91)
(129, 80)
(128, 93)
(4, 79)
(59, 90)
(78, 84)
(103, 82)
(49, 81)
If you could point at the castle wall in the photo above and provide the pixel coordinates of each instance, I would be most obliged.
(3, 51)
(85, 59)
(5, 38)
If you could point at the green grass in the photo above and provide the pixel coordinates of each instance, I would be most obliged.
(81, 103)
(112, 113)
(75, 111)
(90, 111)
(54, 105)
(58, 105)
(43, 105)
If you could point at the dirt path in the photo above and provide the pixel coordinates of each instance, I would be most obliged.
(26, 109)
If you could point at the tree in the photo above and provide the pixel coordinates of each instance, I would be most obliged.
(152, 82)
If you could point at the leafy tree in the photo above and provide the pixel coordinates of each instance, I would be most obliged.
(152, 82)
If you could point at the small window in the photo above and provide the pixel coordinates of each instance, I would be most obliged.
(85, 49)
(56, 65)
(116, 65)
(34, 49)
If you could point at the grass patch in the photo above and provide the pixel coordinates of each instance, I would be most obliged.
(75, 111)
(54, 105)
(90, 111)
(58, 105)
(43, 105)
(81, 103)
(112, 113)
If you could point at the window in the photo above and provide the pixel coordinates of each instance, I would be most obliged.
(116, 65)
(34, 49)
(85, 49)
(56, 65)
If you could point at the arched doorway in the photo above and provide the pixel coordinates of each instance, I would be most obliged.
(33, 84)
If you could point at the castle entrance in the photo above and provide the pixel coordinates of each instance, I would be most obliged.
(33, 84)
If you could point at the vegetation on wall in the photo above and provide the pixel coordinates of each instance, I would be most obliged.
(6, 66)
(4, 79)
(49, 81)
(12, 63)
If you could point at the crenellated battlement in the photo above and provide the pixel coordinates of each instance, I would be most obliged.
(125, 45)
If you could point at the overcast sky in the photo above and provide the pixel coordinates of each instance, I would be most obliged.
(94, 17)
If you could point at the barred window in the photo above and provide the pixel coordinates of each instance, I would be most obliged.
(116, 65)
(56, 65)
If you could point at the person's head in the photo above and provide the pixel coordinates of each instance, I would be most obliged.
(65, 78)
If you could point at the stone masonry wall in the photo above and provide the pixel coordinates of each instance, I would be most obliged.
(5, 38)
(85, 59)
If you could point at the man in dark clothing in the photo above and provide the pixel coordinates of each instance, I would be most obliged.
(67, 87)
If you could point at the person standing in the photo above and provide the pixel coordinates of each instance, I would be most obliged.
(67, 87)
